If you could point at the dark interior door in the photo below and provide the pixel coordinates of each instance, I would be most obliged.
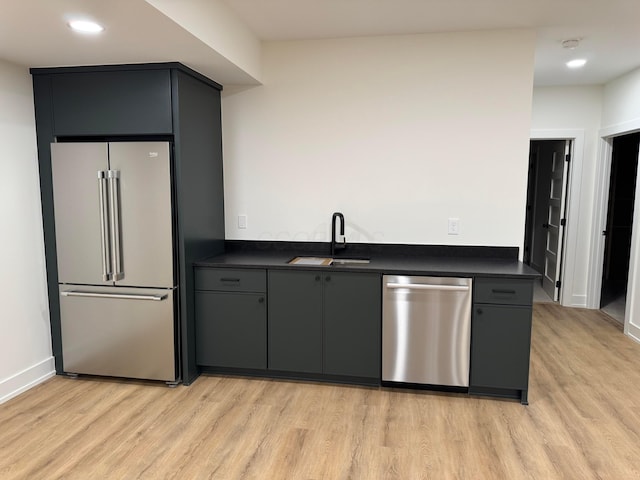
(541, 197)
(622, 187)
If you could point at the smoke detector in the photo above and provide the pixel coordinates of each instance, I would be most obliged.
(571, 43)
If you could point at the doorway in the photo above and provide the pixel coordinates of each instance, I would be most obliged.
(617, 248)
(545, 214)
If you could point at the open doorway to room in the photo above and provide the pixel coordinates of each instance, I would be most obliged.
(545, 216)
(617, 249)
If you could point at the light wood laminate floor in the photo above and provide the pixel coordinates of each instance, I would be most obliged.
(583, 422)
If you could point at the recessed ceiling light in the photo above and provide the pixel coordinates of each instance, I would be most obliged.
(85, 26)
(577, 63)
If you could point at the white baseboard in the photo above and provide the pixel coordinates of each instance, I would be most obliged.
(578, 301)
(26, 379)
(633, 332)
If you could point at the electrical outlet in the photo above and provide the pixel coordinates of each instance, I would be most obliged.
(242, 221)
(454, 226)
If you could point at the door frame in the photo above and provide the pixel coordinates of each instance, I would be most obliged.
(603, 174)
(601, 200)
(572, 210)
(552, 285)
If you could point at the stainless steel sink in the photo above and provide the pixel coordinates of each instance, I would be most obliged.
(327, 261)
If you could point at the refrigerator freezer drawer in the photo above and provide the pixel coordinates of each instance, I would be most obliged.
(118, 332)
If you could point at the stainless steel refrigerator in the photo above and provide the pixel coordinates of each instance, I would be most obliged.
(116, 258)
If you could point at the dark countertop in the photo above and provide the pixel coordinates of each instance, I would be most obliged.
(384, 259)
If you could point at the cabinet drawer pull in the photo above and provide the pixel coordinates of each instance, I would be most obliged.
(503, 291)
(261, 300)
(479, 311)
(236, 280)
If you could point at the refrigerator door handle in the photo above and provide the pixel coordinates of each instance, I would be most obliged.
(126, 296)
(104, 227)
(114, 205)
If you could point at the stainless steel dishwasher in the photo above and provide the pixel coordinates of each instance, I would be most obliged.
(426, 330)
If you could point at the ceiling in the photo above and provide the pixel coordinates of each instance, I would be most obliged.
(609, 29)
(33, 32)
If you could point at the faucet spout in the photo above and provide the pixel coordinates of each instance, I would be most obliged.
(337, 243)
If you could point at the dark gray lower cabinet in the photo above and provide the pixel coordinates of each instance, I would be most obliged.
(231, 330)
(231, 318)
(500, 355)
(295, 321)
(352, 322)
(501, 338)
(325, 323)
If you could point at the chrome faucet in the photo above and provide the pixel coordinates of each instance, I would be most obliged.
(339, 243)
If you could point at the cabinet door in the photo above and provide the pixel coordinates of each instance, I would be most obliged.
(500, 343)
(231, 329)
(134, 102)
(295, 321)
(352, 322)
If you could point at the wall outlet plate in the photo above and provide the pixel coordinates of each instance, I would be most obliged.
(242, 221)
(454, 226)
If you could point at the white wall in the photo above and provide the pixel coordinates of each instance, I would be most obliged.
(213, 22)
(621, 101)
(621, 114)
(399, 133)
(25, 343)
(570, 112)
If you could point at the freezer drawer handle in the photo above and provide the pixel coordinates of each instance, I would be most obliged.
(104, 227)
(424, 286)
(125, 296)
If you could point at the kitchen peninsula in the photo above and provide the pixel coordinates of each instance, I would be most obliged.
(257, 314)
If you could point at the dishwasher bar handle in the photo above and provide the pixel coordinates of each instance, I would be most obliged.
(425, 286)
(72, 293)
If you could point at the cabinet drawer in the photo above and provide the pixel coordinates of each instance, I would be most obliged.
(231, 280)
(507, 291)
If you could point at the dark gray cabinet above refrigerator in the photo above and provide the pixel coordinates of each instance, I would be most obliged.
(131, 102)
(162, 102)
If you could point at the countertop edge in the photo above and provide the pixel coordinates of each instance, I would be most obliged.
(464, 266)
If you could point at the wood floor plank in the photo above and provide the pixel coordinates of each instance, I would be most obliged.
(583, 421)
